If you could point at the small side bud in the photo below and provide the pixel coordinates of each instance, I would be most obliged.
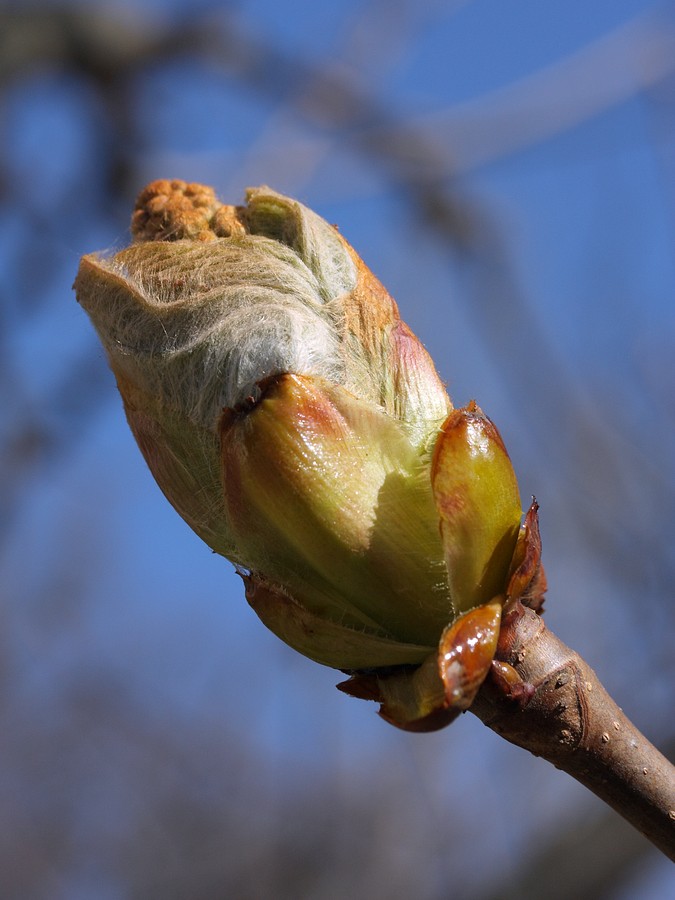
(477, 497)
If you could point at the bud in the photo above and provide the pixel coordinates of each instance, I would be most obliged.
(300, 428)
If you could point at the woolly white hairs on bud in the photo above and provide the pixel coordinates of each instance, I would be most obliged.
(199, 324)
(196, 323)
(212, 299)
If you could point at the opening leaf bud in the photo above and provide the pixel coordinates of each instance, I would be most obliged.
(302, 431)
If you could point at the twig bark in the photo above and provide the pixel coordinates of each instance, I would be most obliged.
(571, 721)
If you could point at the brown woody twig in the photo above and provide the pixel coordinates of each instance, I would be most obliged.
(572, 722)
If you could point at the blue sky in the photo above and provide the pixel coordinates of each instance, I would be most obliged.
(583, 222)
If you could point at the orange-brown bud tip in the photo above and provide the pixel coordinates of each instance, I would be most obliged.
(176, 210)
